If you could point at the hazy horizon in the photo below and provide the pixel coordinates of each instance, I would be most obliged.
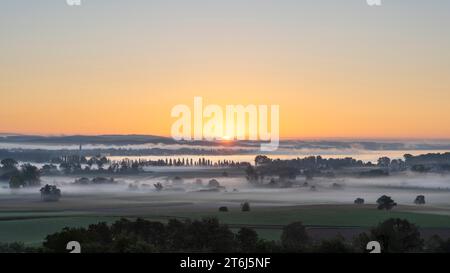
(325, 138)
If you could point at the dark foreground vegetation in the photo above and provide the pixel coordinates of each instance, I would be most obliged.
(208, 235)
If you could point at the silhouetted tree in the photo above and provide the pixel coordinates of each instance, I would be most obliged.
(16, 248)
(245, 206)
(334, 245)
(247, 239)
(261, 160)
(213, 183)
(394, 235)
(384, 162)
(385, 202)
(420, 200)
(294, 237)
(50, 193)
(158, 186)
(437, 245)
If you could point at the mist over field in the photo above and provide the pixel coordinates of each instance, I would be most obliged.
(403, 189)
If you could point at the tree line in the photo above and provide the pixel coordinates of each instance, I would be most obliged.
(209, 235)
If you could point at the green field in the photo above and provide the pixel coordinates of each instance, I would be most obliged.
(326, 215)
(32, 227)
(33, 231)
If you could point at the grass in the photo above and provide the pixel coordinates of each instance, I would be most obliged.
(33, 231)
(338, 216)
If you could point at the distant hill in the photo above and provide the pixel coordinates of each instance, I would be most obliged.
(80, 139)
(134, 139)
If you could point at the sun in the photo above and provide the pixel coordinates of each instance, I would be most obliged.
(226, 138)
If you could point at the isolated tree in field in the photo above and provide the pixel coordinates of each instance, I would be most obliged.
(385, 202)
(359, 201)
(213, 183)
(50, 193)
(294, 237)
(420, 200)
(245, 206)
(158, 186)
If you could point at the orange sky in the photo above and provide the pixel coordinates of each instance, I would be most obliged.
(331, 79)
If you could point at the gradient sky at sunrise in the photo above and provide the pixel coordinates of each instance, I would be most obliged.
(336, 68)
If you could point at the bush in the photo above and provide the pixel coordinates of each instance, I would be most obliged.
(223, 209)
(245, 206)
(335, 245)
(50, 193)
(213, 183)
(420, 200)
(14, 248)
(158, 186)
(438, 245)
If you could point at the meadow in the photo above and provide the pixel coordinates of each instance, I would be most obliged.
(31, 227)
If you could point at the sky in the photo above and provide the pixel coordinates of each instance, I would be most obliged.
(335, 68)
